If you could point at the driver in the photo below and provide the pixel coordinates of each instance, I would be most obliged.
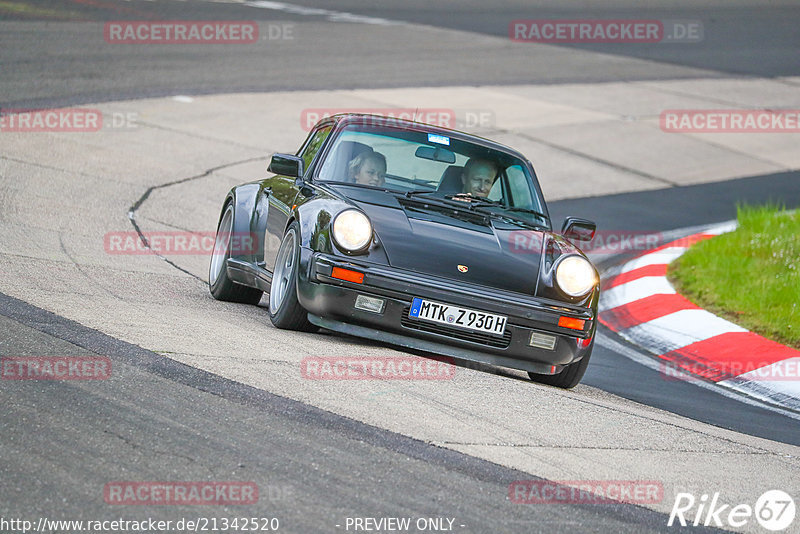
(478, 177)
(368, 168)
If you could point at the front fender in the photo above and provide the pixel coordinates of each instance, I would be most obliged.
(245, 223)
(315, 218)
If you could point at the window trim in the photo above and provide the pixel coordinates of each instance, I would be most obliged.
(330, 125)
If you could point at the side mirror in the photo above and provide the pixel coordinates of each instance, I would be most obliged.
(303, 187)
(286, 165)
(576, 229)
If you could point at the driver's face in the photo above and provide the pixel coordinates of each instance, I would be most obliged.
(478, 180)
(371, 173)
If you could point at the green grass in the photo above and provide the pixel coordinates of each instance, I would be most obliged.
(750, 276)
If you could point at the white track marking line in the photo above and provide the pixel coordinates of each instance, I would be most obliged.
(761, 383)
(633, 291)
(678, 330)
(723, 228)
(661, 257)
(719, 387)
(333, 16)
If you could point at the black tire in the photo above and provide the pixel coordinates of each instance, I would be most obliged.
(285, 310)
(222, 287)
(569, 377)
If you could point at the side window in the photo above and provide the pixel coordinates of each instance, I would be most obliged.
(313, 145)
(520, 188)
(496, 192)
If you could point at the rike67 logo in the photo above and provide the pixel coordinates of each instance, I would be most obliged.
(774, 510)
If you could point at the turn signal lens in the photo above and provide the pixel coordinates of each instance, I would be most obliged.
(569, 322)
(348, 275)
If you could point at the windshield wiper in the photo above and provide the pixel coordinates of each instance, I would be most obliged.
(510, 218)
(478, 202)
(440, 203)
(409, 194)
(473, 200)
(529, 210)
(468, 203)
(362, 186)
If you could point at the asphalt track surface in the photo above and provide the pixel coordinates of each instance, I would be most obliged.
(159, 418)
(67, 63)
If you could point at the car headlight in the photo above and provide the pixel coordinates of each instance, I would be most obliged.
(575, 276)
(352, 231)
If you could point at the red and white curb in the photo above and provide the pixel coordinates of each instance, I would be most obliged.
(640, 304)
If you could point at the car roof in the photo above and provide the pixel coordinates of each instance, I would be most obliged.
(342, 119)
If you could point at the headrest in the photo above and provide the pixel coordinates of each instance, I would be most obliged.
(346, 151)
(451, 180)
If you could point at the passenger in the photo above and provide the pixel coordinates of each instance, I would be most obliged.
(478, 177)
(368, 168)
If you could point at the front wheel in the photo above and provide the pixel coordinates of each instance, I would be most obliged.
(222, 287)
(285, 310)
(568, 378)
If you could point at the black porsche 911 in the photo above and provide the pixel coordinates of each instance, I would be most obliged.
(418, 236)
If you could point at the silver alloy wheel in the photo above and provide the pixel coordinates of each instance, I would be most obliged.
(284, 266)
(220, 253)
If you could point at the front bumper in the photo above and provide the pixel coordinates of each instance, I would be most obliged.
(331, 304)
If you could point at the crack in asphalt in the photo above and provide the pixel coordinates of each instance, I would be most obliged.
(134, 445)
(84, 273)
(53, 168)
(142, 199)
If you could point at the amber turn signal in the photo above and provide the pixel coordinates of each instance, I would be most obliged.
(348, 275)
(569, 322)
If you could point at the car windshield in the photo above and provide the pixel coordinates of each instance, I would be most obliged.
(422, 163)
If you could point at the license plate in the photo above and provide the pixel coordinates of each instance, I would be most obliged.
(458, 317)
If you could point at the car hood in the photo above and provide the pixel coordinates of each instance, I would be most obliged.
(462, 246)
